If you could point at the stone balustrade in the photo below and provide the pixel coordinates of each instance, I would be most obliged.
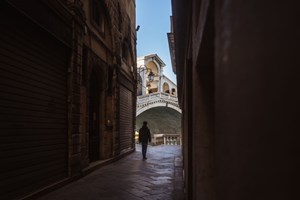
(166, 139)
(157, 99)
(156, 96)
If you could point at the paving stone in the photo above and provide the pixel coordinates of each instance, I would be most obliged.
(158, 197)
(158, 191)
(161, 177)
(131, 178)
(144, 183)
(136, 192)
(140, 187)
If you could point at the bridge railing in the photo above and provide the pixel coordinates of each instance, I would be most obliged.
(156, 96)
(166, 139)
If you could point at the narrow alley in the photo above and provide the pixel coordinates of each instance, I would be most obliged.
(216, 81)
(131, 178)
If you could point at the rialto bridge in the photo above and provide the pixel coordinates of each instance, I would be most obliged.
(157, 102)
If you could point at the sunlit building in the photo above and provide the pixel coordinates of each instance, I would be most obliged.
(151, 78)
(157, 101)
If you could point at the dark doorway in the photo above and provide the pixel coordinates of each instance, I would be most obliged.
(94, 119)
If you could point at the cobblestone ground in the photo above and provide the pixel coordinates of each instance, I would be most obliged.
(131, 178)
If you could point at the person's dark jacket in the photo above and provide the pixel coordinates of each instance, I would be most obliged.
(144, 134)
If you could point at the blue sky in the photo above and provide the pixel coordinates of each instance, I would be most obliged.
(153, 16)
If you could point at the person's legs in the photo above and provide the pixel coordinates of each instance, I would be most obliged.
(144, 149)
(146, 145)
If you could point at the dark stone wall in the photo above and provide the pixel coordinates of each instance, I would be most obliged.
(256, 100)
(238, 77)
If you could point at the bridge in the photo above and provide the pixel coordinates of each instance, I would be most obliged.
(158, 99)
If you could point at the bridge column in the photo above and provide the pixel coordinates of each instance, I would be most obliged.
(144, 87)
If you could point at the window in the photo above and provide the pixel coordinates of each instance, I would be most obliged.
(84, 65)
(98, 15)
(173, 92)
(166, 88)
(125, 51)
(110, 81)
(120, 17)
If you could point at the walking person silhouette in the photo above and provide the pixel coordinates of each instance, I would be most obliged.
(144, 137)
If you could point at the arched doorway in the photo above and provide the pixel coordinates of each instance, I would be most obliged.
(94, 118)
(173, 92)
(166, 88)
(154, 85)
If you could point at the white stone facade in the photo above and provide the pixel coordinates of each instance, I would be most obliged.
(161, 83)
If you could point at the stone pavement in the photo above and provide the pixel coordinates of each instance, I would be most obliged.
(131, 178)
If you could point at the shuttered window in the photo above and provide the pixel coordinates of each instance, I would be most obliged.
(126, 119)
(33, 107)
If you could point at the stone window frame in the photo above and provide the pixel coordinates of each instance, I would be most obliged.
(99, 16)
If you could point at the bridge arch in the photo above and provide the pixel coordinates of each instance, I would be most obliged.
(161, 120)
(158, 104)
(154, 100)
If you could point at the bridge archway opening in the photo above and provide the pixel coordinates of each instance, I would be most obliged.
(153, 86)
(161, 120)
(166, 87)
(154, 68)
(173, 92)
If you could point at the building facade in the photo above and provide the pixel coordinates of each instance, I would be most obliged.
(238, 72)
(160, 83)
(68, 90)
